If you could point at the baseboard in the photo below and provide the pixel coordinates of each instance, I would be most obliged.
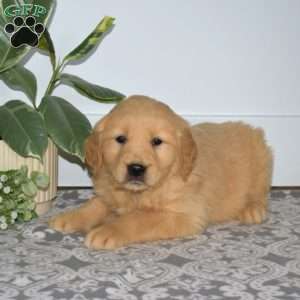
(198, 118)
(282, 133)
(273, 188)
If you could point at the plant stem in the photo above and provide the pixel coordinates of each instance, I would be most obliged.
(54, 78)
(34, 105)
(50, 86)
(52, 83)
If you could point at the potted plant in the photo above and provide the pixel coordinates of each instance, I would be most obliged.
(17, 192)
(31, 134)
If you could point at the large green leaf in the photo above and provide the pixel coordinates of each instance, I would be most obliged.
(92, 91)
(23, 129)
(91, 41)
(10, 56)
(66, 125)
(21, 79)
(46, 44)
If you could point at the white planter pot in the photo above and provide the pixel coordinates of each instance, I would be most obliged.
(10, 160)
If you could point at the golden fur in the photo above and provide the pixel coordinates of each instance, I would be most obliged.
(200, 175)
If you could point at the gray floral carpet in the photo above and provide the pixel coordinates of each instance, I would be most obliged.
(226, 262)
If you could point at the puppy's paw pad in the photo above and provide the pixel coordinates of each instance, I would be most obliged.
(253, 215)
(105, 237)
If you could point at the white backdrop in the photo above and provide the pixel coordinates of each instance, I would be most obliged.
(210, 60)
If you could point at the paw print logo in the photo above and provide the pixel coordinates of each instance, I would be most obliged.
(24, 32)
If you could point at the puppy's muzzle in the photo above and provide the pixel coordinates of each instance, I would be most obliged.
(136, 172)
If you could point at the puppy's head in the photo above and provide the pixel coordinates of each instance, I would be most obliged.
(140, 143)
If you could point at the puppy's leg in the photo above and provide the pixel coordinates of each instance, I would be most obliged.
(140, 226)
(256, 204)
(257, 199)
(82, 219)
(255, 211)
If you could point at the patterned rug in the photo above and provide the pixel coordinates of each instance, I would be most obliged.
(229, 261)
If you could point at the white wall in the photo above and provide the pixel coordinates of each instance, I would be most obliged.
(210, 60)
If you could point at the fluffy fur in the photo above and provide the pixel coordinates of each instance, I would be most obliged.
(200, 175)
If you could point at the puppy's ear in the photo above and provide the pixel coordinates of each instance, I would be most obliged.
(188, 153)
(92, 147)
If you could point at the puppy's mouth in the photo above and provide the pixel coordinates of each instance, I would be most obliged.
(135, 183)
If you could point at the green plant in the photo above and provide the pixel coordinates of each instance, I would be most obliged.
(17, 193)
(26, 128)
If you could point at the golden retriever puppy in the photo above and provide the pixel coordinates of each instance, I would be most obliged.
(155, 177)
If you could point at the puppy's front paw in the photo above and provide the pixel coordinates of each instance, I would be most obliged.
(65, 222)
(105, 237)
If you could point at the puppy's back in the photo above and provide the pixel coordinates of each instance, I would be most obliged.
(234, 159)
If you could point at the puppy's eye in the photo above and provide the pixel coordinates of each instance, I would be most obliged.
(156, 141)
(121, 139)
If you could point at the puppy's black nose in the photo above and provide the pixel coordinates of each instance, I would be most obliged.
(136, 170)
